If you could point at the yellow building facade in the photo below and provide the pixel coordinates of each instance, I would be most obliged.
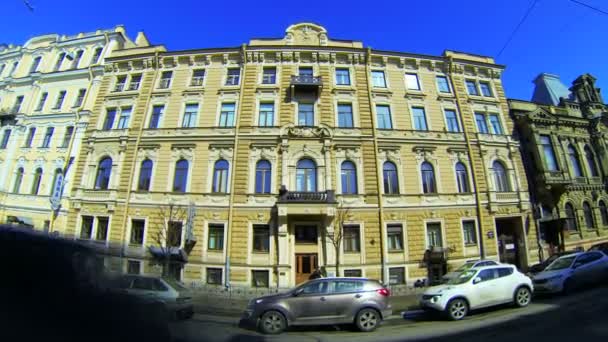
(269, 150)
(47, 91)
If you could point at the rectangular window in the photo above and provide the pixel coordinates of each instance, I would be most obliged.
(133, 267)
(15, 65)
(125, 116)
(451, 120)
(269, 75)
(259, 278)
(35, 64)
(108, 123)
(96, 55)
(80, 97)
(495, 124)
(77, 58)
(443, 85)
(198, 78)
(306, 234)
(550, 161)
(433, 234)
(353, 273)
(135, 82)
(383, 113)
(121, 81)
(60, 99)
(395, 237)
(471, 87)
(86, 229)
(396, 275)
(165, 80)
(266, 117)
(17, 105)
(67, 136)
(305, 72)
(352, 239)
(157, 113)
(174, 234)
(46, 142)
(411, 80)
(214, 276)
(482, 126)
(190, 114)
(5, 137)
(102, 228)
(468, 231)
(419, 119)
(137, 232)
(216, 237)
(30, 137)
(233, 76)
(486, 89)
(345, 115)
(43, 98)
(378, 79)
(227, 115)
(261, 238)
(59, 61)
(342, 76)
(306, 114)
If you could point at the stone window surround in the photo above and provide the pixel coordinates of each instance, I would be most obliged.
(178, 153)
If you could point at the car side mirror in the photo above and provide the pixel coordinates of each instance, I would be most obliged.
(477, 280)
(298, 292)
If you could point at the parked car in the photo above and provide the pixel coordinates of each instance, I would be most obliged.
(325, 301)
(571, 271)
(600, 247)
(467, 266)
(536, 268)
(478, 288)
(166, 294)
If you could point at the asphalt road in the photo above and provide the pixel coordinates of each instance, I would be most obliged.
(578, 317)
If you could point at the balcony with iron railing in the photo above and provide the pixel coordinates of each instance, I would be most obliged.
(554, 178)
(328, 196)
(306, 81)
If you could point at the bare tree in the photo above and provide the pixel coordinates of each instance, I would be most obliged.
(168, 234)
(336, 236)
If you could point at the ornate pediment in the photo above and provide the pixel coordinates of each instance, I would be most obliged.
(541, 114)
(293, 131)
(306, 34)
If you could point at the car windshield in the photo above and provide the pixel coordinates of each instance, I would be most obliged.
(462, 277)
(465, 267)
(561, 263)
(175, 284)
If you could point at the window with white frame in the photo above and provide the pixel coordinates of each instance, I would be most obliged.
(5, 137)
(266, 115)
(471, 87)
(233, 76)
(469, 232)
(348, 177)
(501, 181)
(180, 178)
(345, 115)
(35, 64)
(42, 100)
(434, 235)
(419, 119)
(482, 125)
(486, 89)
(269, 75)
(462, 178)
(59, 101)
(442, 84)
(495, 124)
(451, 121)
(378, 79)
(80, 97)
(137, 232)
(306, 114)
(383, 113)
(198, 78)
(190, 115)
(86, 227)
(220, 176)
(48, 136)
(342, 76)
(30, 137)
(227, 115)
(102, 228)
(120, 84)
(134, 82)
(394, 232)
(157, 114)
(215, 241)
(261, 238)
(165, 80)
(352, 238)
(125, 117)
(412, 82)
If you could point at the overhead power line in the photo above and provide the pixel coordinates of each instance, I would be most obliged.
(589, 6)
(517, 28)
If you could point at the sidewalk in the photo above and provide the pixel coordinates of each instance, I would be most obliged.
(234, 307)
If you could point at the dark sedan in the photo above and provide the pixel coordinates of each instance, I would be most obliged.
(537, 268)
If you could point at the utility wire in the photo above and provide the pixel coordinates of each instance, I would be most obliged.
(589, 6)
(517, 27)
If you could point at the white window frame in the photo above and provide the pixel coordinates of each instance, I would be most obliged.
(151, 111)
(450, 90)
(315, 113)
(350, 76)
(405, 249)
(276, 75)
(172, 173)
(258, 106)
(130, 230)
(475, 229)
(182, 115)
(418, 81)
(392, 115)
(445, 121)
(426, 117)
(386, 83)
(191, 78)
(426, 233)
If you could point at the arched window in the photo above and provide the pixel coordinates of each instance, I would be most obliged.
(462, 178)
(591, 162)
(428, 178)
(56, 175)
(570, 217)
(603, 213)
(18, 180)
(145, 175)
(306, 175)
(349, 177)
(391, 182)
(588, 215)
(500, 177)
(263, 173)
(180, 179)
(104, 171)
(36, 182)
(576, 165)
(220, 176)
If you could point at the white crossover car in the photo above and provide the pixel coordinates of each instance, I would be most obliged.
(478, 288)
(572, 271)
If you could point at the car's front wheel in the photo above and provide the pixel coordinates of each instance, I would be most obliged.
(367, 320)
(272, 322)
(523, 296)
(457, 309)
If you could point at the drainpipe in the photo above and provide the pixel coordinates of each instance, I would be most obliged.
(135, 150)
(378, 166)
(482, 252)
(233, 165)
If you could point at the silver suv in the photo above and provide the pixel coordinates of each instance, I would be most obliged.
(324, 301)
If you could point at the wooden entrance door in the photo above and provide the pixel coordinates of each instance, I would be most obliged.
(305, 265)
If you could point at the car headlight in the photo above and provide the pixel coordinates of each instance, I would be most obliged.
(435, 298)
(258, 301)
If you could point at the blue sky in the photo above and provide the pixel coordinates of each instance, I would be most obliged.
(559, 36)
